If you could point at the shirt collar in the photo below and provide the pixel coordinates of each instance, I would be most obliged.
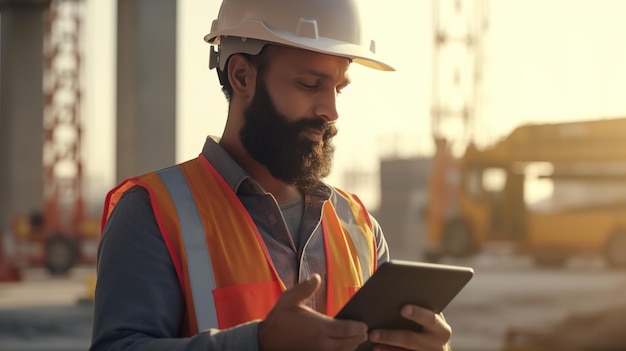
(224, 164)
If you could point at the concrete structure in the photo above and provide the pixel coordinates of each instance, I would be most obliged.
(21, 107)
(146, 86)
(146, 102)
(403, 188)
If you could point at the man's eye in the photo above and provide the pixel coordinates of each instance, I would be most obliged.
(308, 86)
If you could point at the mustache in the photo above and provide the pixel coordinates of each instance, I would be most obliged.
(328, 128)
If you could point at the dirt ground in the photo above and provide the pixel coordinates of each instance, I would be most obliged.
(44, 313)
(579, 307)
(510, 305)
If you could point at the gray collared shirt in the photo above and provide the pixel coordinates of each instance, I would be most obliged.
(139, 303)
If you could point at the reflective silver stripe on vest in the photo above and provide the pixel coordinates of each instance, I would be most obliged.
(347, 219)
(201, 277)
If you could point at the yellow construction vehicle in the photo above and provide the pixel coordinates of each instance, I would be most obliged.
(584, 163)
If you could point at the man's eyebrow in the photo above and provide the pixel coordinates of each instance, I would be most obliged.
(326, 76)
(345, 83)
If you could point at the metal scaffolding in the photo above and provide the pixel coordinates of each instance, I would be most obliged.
(64, 205)
(458, 30)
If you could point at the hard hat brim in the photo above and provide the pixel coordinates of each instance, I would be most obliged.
(354, 52)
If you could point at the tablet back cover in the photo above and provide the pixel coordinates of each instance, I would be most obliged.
(397, 283)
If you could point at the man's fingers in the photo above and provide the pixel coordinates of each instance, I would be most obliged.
(429, 320)
(421, 316)
(302, 291)
(346, 329)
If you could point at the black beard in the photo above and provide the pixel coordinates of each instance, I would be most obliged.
(275, 142)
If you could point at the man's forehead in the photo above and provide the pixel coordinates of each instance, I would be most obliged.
(309, 62)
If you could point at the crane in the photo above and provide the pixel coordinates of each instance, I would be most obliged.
(458, 28)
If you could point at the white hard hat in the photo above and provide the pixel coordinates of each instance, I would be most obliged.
(326, 26)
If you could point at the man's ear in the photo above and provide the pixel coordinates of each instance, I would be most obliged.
(242, 76)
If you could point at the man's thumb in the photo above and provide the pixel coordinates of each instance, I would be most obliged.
(302, 290)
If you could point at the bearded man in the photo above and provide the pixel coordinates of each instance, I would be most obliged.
(245, 247)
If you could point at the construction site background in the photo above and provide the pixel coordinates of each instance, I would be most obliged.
(471, 72)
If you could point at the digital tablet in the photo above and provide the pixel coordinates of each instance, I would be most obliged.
(396, 283)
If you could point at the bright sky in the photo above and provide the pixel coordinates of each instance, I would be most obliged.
(545, 61)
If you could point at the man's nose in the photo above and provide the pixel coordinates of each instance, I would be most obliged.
(326, 107)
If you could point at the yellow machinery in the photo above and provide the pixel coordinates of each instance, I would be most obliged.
(486, 194)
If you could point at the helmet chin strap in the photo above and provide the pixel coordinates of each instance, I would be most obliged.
(221, 76)
(214, 59)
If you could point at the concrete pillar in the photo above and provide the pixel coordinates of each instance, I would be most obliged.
(146, 86)
(21, 107)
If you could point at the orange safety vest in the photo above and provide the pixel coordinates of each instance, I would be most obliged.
(234, 281)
